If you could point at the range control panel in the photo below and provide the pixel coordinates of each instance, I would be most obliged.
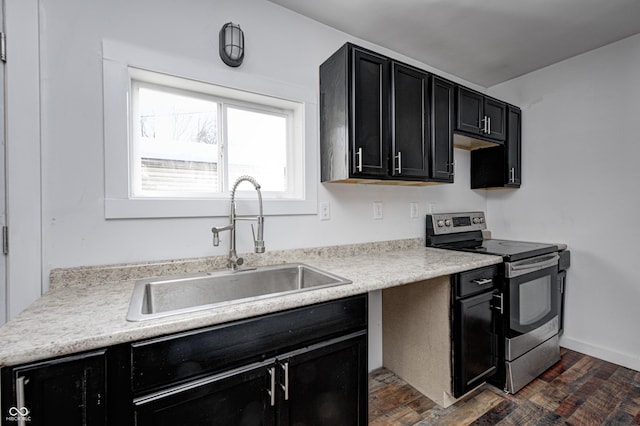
(451, 223)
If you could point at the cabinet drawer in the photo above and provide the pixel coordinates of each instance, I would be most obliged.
(167, 360)
(476, 281)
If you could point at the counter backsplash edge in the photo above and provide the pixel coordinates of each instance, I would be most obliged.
(102, 274)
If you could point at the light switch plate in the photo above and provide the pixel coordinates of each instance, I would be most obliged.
(325, 211)
(413, 210)
(377, 210)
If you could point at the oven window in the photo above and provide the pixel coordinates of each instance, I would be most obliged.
(535, 300)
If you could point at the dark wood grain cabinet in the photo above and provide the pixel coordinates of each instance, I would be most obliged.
(306, 365)
(378, 120)
(69, 391)
(303, 366)
(410, 122)
(441, 153)
(480, 116)
(369, 121)
(474, 336)
(500, 166)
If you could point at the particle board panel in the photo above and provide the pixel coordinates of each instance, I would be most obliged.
(416, 336)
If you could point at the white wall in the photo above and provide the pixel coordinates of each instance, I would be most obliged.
(281, 45)
(581, 154)
(74, 229)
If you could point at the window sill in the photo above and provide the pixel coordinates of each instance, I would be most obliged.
(172, 208)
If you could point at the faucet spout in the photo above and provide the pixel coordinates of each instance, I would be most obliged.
(258, 240)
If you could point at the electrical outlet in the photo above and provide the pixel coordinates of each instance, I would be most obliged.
(432, 207)
(325, 211)
(413, 210)
(377, 210)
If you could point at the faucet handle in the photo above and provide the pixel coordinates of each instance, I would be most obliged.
(216, 237)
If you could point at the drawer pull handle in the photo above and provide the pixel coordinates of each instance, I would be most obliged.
(482, 281)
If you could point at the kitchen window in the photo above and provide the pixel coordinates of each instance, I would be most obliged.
(196, 143)
(175, 145)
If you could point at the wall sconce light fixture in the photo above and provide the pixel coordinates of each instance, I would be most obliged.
(231, 44)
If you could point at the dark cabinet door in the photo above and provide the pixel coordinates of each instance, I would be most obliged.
(238, 398)
(475, 342)
(479, 115)
(513, 147)
(441, 130)
(410, 123)
(369, 114)
(69, 391)
(327, 385)
(496, 114)
(469, 114)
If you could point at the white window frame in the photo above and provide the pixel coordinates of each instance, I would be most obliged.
(122, 62)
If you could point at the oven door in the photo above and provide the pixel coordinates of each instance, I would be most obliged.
(533, 295)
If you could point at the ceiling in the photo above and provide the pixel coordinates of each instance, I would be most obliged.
(482, 41)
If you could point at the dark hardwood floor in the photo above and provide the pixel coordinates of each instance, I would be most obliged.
(578, 390)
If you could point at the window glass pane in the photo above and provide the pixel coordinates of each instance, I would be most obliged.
(257, 146)
(177, 138)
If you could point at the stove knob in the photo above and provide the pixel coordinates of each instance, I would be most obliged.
(440, 223)
(476, 220)
(447, 222)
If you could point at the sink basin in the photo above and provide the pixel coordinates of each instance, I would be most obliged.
(159, 297)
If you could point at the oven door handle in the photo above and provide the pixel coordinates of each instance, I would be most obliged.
(521, 267)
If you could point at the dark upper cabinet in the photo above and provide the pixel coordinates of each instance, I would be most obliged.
(377, 120)
(441, 158)
(70, 391)
(500, 166)
(513, 147)
(369, 118)
(354, 115)
(410, 110)
(480, 116)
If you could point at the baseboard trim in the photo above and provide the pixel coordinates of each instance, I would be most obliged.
(626, 360)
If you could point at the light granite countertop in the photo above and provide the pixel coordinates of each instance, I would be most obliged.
(86, 308)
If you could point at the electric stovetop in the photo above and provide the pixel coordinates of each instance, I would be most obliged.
(509, 250)
(463, 232)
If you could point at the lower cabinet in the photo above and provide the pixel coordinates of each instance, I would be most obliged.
(474, 339)
(325, 385)
(69, 391)
(236, 398)
(318, 385)
(304, 366)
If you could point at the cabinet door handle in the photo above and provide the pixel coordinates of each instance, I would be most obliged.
(482, 281)
(512, 175)
(272, 387)
(452, 165)
(285, 386)
(500, 308)
(359, 154)
(488, 125)
(399, 157)
(20, 400)
(484, 124)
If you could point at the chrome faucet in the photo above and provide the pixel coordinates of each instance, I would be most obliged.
(234, 261)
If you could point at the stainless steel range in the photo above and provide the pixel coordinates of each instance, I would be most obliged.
(526, 306)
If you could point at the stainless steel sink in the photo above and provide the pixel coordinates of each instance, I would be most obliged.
(159, 297)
